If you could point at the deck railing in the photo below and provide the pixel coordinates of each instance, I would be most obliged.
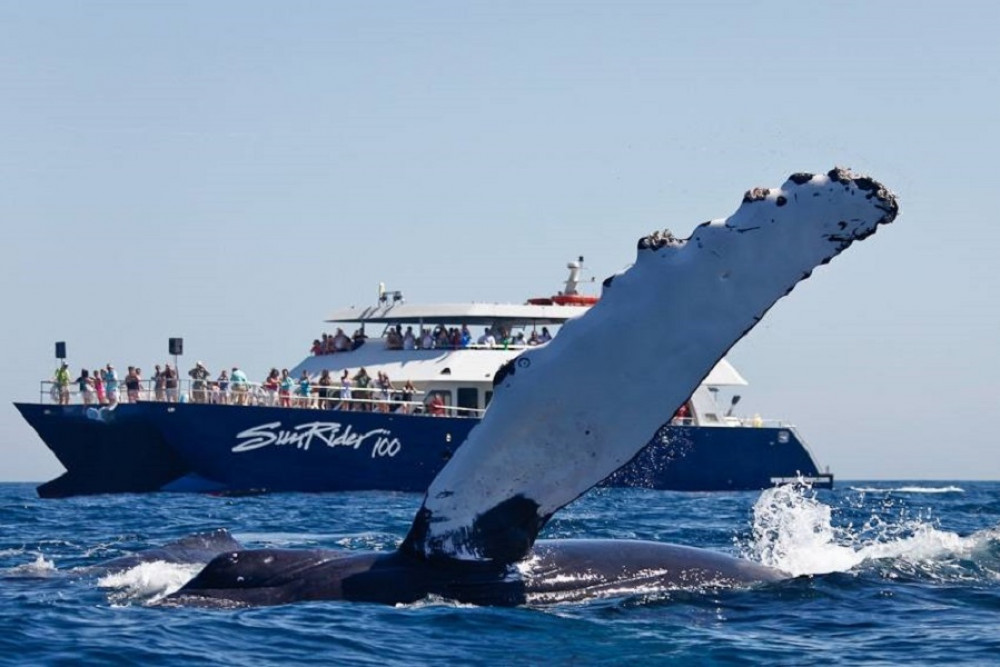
(254, 394)
(498, 346)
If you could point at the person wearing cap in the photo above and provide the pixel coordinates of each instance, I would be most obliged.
(199, 374)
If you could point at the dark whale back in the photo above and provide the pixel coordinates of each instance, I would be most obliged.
(279, 576)
(556, 571)
(197, 548)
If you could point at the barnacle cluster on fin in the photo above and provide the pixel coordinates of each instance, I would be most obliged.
(658, 239)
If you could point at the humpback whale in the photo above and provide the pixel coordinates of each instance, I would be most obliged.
(197, 548)
(567, 414)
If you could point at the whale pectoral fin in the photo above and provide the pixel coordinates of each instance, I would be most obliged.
(566, 415)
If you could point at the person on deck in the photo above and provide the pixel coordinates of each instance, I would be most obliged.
(384, 391)
(407, 395)
(341, 343)
(222, 382)
(99, 387)
(170, 383)
(240, 385)
(305, 390)
(363, 381)
(159, 384)
(436, 406)
(426, 340)
(325, 391)
(199, 374)
(345, 391)
(285, 386)
(62, 383)
(271, 386)
(133, 382)
(111, 385)
(85, 384)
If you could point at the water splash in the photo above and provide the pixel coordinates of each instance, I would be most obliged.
(39, 568)
(147, 583)
(795, 532)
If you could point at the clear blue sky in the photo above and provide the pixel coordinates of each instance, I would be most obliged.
(231, 172)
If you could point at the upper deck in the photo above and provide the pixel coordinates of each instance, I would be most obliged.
(472, 314)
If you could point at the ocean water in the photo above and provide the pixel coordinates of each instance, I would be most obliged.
(889, 572)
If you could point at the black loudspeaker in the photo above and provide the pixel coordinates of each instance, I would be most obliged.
(61, 350)
(177, 346)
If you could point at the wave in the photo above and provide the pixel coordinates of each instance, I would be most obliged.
(908, 489)
(795, 532)
(148, 583)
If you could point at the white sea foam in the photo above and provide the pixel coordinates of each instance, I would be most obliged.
(148, 582)
(435, 601)
(40, 567)
(794, 531)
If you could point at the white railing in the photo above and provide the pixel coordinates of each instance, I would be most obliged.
(252, 394)
(499, 345)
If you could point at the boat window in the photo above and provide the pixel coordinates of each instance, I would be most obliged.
(488, 396)
(468, 397)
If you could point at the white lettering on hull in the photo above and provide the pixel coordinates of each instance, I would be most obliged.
(331, 434)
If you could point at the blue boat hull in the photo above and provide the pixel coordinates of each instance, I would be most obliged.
(235, 449)
(103, 451)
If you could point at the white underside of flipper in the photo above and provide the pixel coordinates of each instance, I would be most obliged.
(566, 415)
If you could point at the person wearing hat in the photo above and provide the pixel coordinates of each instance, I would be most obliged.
(200, 375)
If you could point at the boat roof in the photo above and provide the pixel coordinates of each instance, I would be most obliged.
(458, 313)
(447, 366)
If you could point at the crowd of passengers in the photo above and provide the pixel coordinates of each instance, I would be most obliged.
(439, 338)
(358, 392)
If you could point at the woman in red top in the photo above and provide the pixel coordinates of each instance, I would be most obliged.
(271, 387)
(436, 405)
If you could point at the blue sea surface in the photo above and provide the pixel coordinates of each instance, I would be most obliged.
(889, 572)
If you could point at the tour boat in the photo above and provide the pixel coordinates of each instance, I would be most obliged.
(246, 439)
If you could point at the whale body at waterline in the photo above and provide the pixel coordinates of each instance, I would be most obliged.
(557, 571)
(553, 430)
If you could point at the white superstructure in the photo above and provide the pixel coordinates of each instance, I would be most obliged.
(463, 376)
